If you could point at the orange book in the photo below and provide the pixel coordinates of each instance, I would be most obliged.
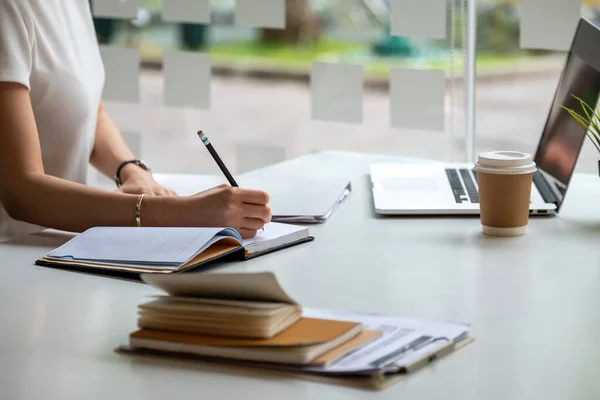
(307, 342)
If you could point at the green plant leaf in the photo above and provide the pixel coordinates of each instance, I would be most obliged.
(591, 125)
(580, 119)
(585, 107)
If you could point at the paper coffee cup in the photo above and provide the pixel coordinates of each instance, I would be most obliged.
(504, 179)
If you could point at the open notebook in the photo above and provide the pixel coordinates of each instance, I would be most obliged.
(166, 250)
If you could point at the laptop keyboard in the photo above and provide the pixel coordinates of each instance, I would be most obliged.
(463, 192)
(470, 185)
(457, 188)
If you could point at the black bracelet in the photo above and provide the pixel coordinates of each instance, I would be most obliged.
(139, 163)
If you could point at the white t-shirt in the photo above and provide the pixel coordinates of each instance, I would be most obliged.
(50, 47)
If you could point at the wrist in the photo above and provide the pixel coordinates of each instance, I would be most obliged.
(128, 169)
(162, 211)
(132, 171)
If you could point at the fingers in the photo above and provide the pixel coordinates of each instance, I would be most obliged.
(247, 233)
(251, 196)
(243, 209)
(252, 223)
(262, 213)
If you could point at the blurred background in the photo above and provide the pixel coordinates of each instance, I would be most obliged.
(260, 111)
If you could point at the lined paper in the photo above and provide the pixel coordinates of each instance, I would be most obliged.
(137, 245)
(273, 235)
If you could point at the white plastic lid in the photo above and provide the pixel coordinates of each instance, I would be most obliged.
(506, 163)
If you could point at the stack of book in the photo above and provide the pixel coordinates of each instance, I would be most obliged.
(249, 320)
(240, 317)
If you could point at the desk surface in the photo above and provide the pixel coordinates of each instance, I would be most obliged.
(533, 302)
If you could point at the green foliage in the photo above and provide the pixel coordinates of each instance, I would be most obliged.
(498, 29)
(590, 120)
(307, 52)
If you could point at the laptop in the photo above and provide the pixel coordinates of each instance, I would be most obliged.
(451, 189)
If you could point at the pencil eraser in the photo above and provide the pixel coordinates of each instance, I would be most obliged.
(337, 92)
(121, 9)
(121, 66)
(186, 11)
(260, 13)
(549, 25)
(417, 99)
(252, 156)
(426, 19)
(187, 79)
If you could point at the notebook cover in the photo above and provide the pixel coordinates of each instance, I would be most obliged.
(247, 368)
(305, 332)
(274, 249)
(129, 274)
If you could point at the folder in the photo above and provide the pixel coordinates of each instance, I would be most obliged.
(293, 199)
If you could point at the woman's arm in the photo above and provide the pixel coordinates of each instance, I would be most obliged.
(110, 150)
(29, 195)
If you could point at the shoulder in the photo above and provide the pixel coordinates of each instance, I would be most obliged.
(16, 13)
(14, 8)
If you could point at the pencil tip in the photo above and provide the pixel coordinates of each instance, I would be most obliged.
(200, 133)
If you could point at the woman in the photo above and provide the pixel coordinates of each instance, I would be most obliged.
(53, 122)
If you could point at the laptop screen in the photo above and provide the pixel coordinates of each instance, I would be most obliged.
(563, 137)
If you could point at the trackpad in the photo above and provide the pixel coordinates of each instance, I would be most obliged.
(410, 185)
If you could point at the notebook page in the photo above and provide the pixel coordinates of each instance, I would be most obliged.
(275, 234)
(261, 286)
(166, 246)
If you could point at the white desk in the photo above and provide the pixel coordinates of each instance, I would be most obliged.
(533, 301)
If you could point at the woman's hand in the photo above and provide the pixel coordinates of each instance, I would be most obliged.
(138, 181)
(245, 210)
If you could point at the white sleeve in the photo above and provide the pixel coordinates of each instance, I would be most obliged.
(16, 42)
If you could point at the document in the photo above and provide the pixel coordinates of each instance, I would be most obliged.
(403, 341)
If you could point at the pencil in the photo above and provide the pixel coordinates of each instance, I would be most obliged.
(217, 159)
